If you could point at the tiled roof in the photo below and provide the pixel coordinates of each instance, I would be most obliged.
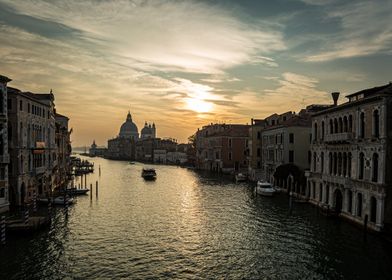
(370, 91)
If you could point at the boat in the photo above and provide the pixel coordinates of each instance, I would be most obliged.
(265, 188)
(57, 200)
(131, 162)
(240, 177)
(149, 174)
(75, 191)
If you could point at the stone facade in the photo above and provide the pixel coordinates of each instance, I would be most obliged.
(33, 152)
(285, 140)
(222, 147)
(351, 156)
(62, 160)
(4, 156)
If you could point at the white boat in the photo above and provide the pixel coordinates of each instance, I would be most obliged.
(265, 188)
(57, 200)
(240, 177)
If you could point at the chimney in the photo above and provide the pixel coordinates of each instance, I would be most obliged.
(335, 97)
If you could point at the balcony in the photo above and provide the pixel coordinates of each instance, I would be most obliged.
(341, 180)
(4, 159)
(38, 170)
(339, 137)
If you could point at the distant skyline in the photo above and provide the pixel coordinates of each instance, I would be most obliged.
(184, 64)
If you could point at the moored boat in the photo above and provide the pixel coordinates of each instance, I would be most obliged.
(60, 200)
(149, 174)
(240, 177)
(265, 188)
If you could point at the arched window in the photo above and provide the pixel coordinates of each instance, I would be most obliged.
(314, 190)
(362, 125)
(373, 209)
(330, 126)
(340, 125)
(361, 166)
(314, 161)
(344, 164)
(376, 124)
(322, 162)
(335, 163)
(322, 130)
(330, 160)
(349, 159)
(340, 164)
(359, 205)
(336, 126)
(350, 123)
(375, 168)
(345, 124)
(315, 132)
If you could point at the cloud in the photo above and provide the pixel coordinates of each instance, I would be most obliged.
(365, 30)
(161, 35)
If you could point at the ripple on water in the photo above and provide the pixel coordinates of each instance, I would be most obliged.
(187, 225)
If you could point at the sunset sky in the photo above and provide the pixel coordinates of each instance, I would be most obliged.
(184, 64)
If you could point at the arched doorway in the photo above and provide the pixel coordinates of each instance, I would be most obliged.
(373, 209)
(338, 197)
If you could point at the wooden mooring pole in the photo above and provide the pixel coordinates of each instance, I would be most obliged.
(2, 230)
(96, 189)
(91, 191)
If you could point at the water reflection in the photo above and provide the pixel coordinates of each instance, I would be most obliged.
(187, 225)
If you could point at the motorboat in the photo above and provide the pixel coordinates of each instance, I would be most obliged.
(265, 188)
(240, 177)
(149, 174)
(60, 200)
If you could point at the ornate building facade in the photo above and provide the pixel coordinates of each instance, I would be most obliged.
(351, 154)
(4, 156)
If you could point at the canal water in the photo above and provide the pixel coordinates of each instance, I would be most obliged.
(188, 225)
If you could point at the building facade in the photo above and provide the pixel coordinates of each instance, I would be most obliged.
(222, 148)
(4, 156)
(96, 151)
(351, 155)
(33, 152)
(62, 158)
(255, 146)
(285, 141)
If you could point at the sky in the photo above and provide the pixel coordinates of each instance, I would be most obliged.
(184, 64)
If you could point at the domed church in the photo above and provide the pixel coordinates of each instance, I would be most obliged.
(129, 129)
(123, 146)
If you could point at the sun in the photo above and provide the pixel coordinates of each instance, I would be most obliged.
(198, 105)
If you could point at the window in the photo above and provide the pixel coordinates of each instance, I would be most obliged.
(322, 130)
(291, 156)
(327, 194)
(258, 164)
(258, 135)
(350, 202)
(322, 162)
(321, 193)
(315, 132)
(9, 104)
(20, 105)
(314, 161)
(28, 107)
(361, 166)
(291, 138)
(230, 155)
(258, 152)
(230, 142)
(216, 155)
(375, 168)
(2, 192)
(2, 173)
(362, 125)
(376, 124)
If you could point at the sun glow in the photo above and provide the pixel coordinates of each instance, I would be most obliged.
(198, 105)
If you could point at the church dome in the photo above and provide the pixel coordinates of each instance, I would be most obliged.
(129, 128)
